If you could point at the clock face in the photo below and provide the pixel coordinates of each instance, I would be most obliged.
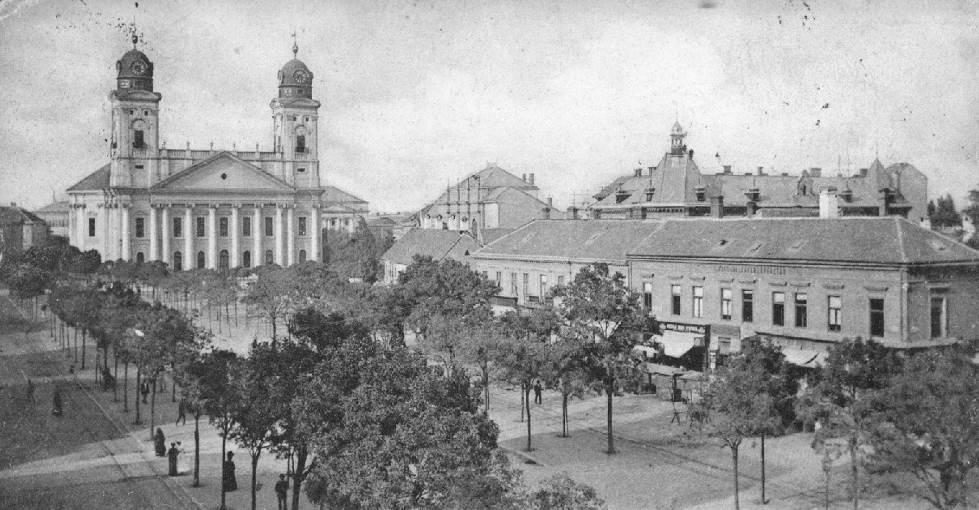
(139, 67)
(301, 76)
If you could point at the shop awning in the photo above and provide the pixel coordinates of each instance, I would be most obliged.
(657, 369)
(804, 357)
(676, 344)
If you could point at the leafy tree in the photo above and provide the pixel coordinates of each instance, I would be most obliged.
(191, 366)
(972, 210)
(945, 214)
(219, 389)
(269, 296)
(447, 289)
(930, 425)
(600, 311)
(561, 492)
(841, 400)
(565, 368)
(254, 419)
(28, 282)
(521, 358)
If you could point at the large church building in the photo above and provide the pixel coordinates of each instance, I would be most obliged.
(207, 208)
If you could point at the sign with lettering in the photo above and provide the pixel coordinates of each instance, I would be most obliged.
(683, 328)
(746, 269)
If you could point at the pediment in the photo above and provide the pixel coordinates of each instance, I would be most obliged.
(222, 172)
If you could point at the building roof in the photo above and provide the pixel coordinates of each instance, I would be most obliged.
(438, 244)
(871, 240)
(578, 240)
(334, 194)
(58, 207)
(14, 215)
(97, 180)
(481, 186)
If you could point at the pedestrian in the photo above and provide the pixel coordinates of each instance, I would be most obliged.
(144, 388)
(282, 491)
(30, 390)
(172, 459)
(537, 392)
(57, 402)
(181, 412)
(230, 482)
(160, 443)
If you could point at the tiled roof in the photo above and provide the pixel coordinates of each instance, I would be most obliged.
(481, 186)
(436, 243)
(585, 240)
(96, 180)
(17, 215)
(888, 240)
(674, 181)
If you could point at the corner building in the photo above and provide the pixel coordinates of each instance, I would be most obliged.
(206, 208)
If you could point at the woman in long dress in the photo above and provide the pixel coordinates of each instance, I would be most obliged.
(182, 466)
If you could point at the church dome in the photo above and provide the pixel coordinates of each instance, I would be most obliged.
(295, 79)
(135, 71)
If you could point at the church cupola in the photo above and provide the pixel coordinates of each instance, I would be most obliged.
(135, 71)
(677, 147)
(295, 79)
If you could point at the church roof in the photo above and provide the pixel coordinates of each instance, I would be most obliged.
(334, 194)
(97, 180)
(232, 171)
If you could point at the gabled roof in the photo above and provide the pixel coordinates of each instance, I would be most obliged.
(223, 170)
(438, 244)
(333, 194)
(479, 186)
(97, 180)
(580, 240)
(17, 215)
(871, 240)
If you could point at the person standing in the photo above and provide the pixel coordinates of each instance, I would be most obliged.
(537, 392)
(30, 390)
(230, 482)
(56, 402)
(160, 443)
(181, 412)
(172, 459)
(144, 388)
(282, 492)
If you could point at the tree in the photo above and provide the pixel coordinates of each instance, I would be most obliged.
(972, 211)
(444, 289)
(739, 405)
(600, 312)
(945, 214)
(565, 367)
(841, 400)
(930, 425)
(269, 295)
(561, 492)
(521, 358)
(254, 419)
(191, 369)
(219, 389)
(29, 282)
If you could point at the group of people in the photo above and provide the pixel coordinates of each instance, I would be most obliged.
(172, 455)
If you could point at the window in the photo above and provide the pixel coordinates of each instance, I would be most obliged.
(178, 261)
(876, 317)
(178, 227)
(223, 260)
(268, 226)
(138, 142)
(675, 294)
(91, 227)
(246, 259)
(269, 258)
(513, 284)
(939, 317)
(801, 310)
(560, 280)
(246, 227)
(200, 260)
(698, 301)
(543, 285)
(647, 295)
(835, 319)
(526, 284)
(747, 305)
(499, 278)
(140, 222)
(302, 256)
(223, 226)
(302, 225)
(300, 143)
(200, 226)
(726, 296)
(139, 257)
(778, 308)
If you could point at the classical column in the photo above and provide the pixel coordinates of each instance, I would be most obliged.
(212, 236)
(82, 225)
(235, 231)
(154, 239)
(291, 235)
(189, 258)
(107, 233)
(258, 230)
(314, 233)
(124, 231)
(277, 230)
(166, 231)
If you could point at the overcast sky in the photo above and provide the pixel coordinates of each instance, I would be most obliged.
(418, 93)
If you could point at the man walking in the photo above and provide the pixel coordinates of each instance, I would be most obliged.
(537, 392)
(282, 491)
(181, 412)
(144, 388)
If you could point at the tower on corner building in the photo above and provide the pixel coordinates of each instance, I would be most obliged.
(294, 124)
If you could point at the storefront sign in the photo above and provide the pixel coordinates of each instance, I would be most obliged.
(683, 328)
(728, 268)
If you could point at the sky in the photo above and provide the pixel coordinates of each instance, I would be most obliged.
(417, 94)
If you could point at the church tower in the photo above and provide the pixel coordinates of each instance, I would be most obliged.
(677, 146)
(294, 125)
(135, 123)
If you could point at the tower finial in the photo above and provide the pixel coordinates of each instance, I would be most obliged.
(295, 45)
(135, 33)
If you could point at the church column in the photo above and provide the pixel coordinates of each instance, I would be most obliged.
(82, 226)
(189, 258)
(124, 231)
(154, 239)
(212, 236)
(235, 231)
(291, 234)
(258, 230)
(166, 230)
(314, 233)
(107, 249)
(277, 230)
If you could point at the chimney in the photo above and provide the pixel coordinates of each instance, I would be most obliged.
(717, 206)
(13, 204)
(531, 181)
(727, 169)
(691, 153)
(573, 212)
(187, 151)
(523, 177)
(816, 171)
(751, 208)
(761, 170)
(882, 201)
(550, 202)
(863, 172)
(650, 168)
(638, 172)
(829, 204)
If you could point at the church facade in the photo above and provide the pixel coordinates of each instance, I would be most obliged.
(207, 208)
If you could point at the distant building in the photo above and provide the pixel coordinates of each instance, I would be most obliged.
(677, 187)
(209, 208)
(488, 199)
(55, 215)
(803, 283)
(20, 230)
(435, 243)
(394, 225)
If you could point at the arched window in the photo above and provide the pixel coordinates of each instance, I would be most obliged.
(246, 259)
(269, 259)
(178, 261)
(302, 256)
(223, 260)
(139, 257)
(200, 260)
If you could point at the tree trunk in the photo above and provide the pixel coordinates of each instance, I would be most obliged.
(609, 390)
(197, 448)
(84, 335)
(854, 472)
(254, 469)
(152, 407)
(115, 373)
(522, 403)
(564, 414)
(272, 317)
(139, 373)
(223, 439)
(527, 400)
(763, 500)
(76, 344)
(486, 402)
(297, 477)
(125, 387)
(173, 386)
(734, 463)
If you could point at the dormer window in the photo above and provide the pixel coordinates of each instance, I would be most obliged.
(649, 193)
(620, 196)
(846, 194)
(138, 142)
(752, 194)
(300, 143)
(701, 192)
